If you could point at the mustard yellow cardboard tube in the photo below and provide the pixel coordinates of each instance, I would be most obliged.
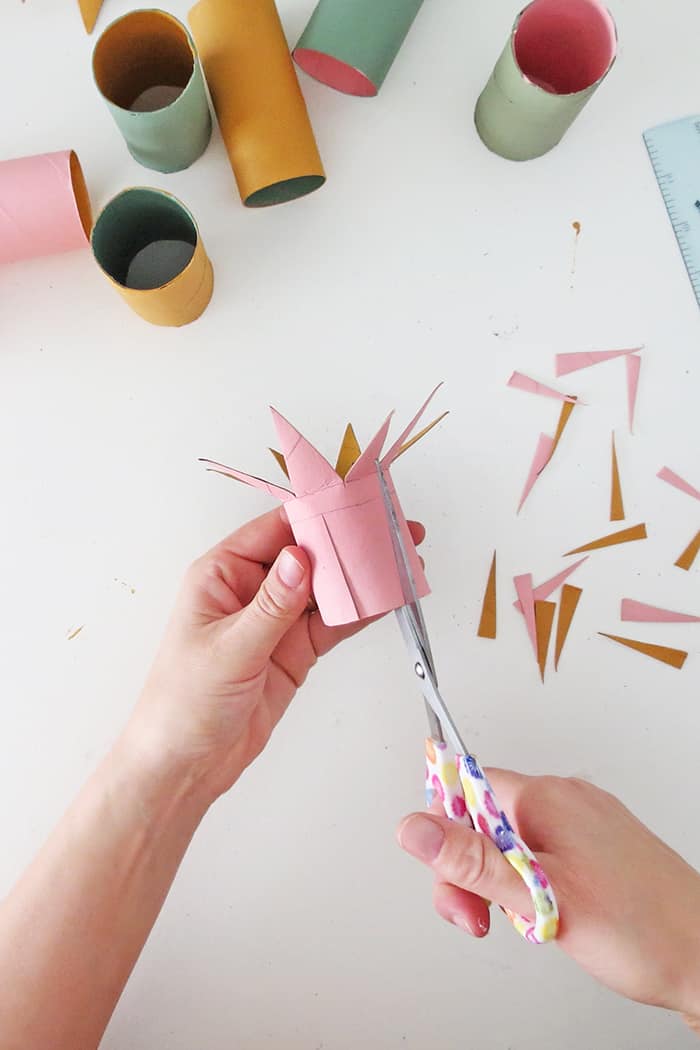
(261, 110)
(148, 246)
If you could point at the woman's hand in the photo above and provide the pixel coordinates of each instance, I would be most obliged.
(240, 642)
(630, 906)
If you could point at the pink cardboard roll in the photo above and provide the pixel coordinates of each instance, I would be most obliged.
(341, 522)
(44, 206)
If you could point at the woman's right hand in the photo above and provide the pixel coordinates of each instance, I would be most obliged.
(629, 905)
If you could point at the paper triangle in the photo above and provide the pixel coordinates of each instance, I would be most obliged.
(90, 9)
(567, 607)
(634, 364)
(617, 507)
(565, 363)
(640, 612)
(395, 449)
(349, 453)
(523, 587)
(671, 478)
(550, 586)
(487, 623)
(366, 464)
(544, 618)
(520, 382)
(673, 657)
(249, 479)
(308, 470)
(280, 461)
(421, 434)
(543, 452)
(637, 532)
(690, 553)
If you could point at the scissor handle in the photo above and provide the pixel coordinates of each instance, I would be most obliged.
(468, 798)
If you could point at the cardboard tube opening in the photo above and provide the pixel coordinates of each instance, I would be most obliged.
(135, 220)
(565, 46)
(286, 190)
(336, 74)
(80, 193)
(139, 52)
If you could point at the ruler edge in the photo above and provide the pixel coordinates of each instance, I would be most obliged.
(693, 275)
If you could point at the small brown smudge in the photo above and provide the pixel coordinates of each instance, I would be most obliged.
(577, 233)
(75, 633)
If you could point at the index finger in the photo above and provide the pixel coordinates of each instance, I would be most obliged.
(259, 540)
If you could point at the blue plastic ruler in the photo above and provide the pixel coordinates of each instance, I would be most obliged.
(674, 150)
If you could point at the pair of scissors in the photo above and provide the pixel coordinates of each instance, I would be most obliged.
(461, 783)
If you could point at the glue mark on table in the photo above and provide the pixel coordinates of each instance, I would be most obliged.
(75, 633)
(125, 585)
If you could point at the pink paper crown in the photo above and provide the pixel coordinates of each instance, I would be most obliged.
(339, 518)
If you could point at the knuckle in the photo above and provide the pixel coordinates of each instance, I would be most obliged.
(466, 860)
(269, 604)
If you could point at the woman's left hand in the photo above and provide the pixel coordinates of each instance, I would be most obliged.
(240, 642)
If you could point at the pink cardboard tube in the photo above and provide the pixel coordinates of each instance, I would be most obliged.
(44, 206)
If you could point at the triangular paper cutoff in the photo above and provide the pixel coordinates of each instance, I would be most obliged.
(543, 454)
(687, 558)
(523, 587)
(564, 417)
(544, 590)
(544, 618)
(637, 532)
(565, 363)
(487, 623)
(521, 382)
(421, 434)
(349, 453)
(633, 364)
(640, 612)
(617, 507)
(671, 478)
(567, 607)
(90, 9)
(673, 657)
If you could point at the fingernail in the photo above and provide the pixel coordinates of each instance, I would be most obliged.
(290, 571)
(422, 838)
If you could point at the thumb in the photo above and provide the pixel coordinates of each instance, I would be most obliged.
(464, 858)
(282, 598)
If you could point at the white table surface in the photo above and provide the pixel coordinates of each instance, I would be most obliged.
(295, 920)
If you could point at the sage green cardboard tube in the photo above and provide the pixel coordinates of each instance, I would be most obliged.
(558, 54)
(351, 44)
(147, 70)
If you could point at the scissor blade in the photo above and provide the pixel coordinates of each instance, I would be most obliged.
(419, 660)
(408, 584)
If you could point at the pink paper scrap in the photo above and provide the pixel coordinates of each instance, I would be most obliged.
(671, 478)
(543, 452)
(523, 588)
(565, 363)
(541, 593)
(634, 364)
(521, 382)
(640, 612)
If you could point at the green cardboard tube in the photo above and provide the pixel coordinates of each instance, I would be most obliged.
(558, 53)
(351, 44)
(147, 70)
